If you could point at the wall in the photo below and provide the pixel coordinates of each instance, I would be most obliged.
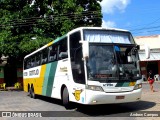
(152, 41)
(20, 75)
(1, 74)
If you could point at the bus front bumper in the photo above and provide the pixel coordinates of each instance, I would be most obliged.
(98, 97)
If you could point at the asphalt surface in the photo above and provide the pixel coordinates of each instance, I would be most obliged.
(20, 102)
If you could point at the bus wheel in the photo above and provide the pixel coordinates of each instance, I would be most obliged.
(32, 94)
(65, 98)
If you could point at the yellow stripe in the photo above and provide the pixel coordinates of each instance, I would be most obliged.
(25, 87)
(37, 82)
(50, 43)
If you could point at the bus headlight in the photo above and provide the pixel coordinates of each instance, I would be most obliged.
(95, 88)
(138, 86)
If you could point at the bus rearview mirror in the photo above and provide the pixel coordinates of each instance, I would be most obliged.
(129, 59)
(85, 48)
(147, 51)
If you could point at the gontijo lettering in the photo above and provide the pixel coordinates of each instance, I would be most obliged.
(25, 74)
(33, 72)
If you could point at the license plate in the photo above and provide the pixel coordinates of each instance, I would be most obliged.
(119, 97)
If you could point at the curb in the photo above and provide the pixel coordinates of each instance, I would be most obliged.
(12, 89)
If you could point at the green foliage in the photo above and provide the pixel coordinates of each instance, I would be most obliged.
(45, 20)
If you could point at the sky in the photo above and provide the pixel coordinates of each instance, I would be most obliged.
(140, 17)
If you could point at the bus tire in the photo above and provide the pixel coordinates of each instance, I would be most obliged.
(65, 98)
(32, 94)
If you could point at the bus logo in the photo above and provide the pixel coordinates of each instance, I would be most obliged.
(108, 84)
(77, 94)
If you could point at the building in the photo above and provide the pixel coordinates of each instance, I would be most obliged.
(153, 63)
(10, 74)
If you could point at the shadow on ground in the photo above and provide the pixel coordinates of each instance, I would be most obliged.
(115, 110)
(49, 99)
(111, 110)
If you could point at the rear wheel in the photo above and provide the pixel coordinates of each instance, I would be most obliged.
(31, 93)
(65, 98)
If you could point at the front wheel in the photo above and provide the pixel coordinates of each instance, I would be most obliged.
(65, 98)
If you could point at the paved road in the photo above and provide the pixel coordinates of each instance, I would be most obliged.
(19, 101)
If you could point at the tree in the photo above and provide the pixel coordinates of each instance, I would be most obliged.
(22, 20)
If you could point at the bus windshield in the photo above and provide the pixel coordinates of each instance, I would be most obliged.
(109, 62)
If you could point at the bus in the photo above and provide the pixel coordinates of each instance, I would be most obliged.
(88, 65)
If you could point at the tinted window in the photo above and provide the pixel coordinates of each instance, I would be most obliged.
(33, 61)
(52, 53)
(25, 63)
(37, 59)
(76, 58)
(62, 54)
(28, 63)
(44, 57)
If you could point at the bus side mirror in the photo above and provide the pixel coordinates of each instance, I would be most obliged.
(129, 58)
(85, 48)
(147, 51)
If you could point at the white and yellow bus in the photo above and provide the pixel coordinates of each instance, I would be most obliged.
(88, 65)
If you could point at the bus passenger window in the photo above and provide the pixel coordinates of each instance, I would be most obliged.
(28, 63)
(38, 58)
(25, 64)
(52, 54)
(63, 55)
(33, 61)
(44, 56)
(63, 49)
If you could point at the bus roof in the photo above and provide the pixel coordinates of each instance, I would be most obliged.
(72, 31)
(97, 28)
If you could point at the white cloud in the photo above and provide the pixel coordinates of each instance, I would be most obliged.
(108, 24)
(109, 6)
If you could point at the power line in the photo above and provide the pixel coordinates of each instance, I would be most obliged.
(52, 18)
(146, 28)
(58, 15)
(142, 25)
(147, 31)
(41, 23)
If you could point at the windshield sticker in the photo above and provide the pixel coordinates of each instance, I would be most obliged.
(116, 48)
(102, 75)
